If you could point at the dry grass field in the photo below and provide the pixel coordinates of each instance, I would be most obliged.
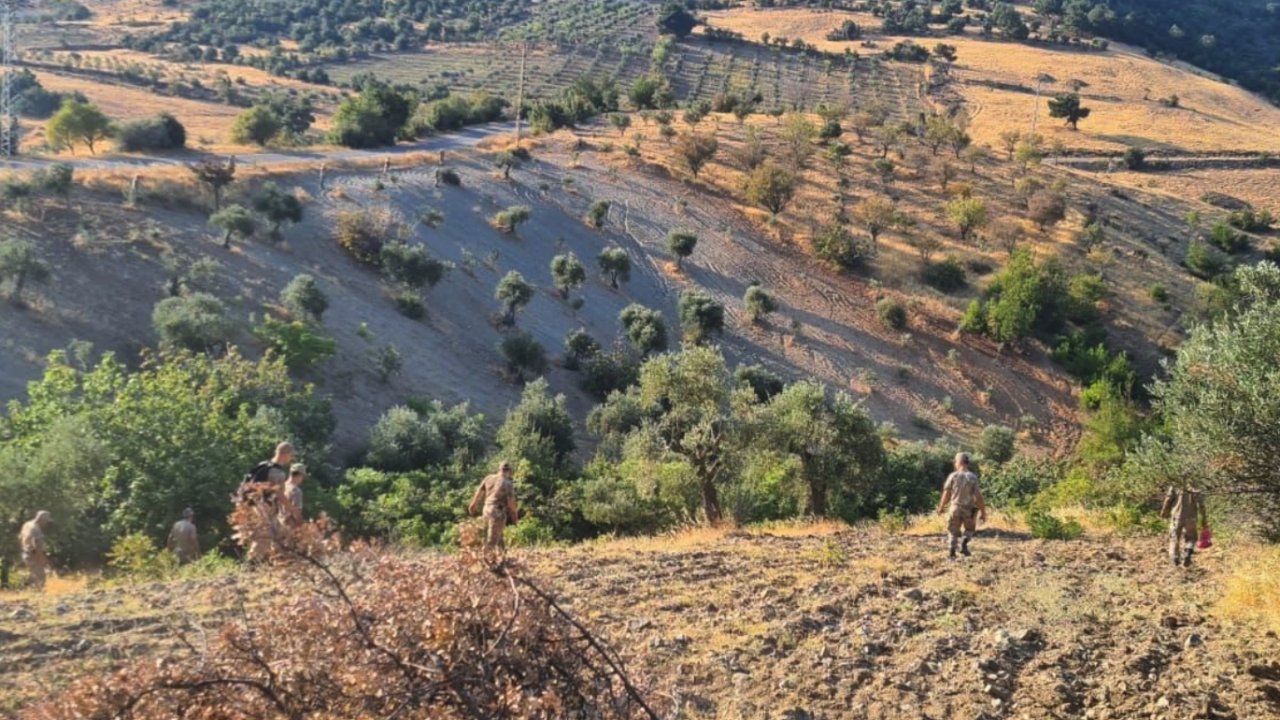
(1122, 86)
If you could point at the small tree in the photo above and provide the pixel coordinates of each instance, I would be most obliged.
(967, 214)
(644, 327)
(1007, 233)
(76, 122)
(387, 362)
(876, 214)
(598, 213)
(620, 122)
(700, 315)
(771, 188)
(57, 179)
(616, 264)
(217, 175)
(514, 293)
(758, 303)
(695, 151)
(257, 126)
(567, 273)
(506, 162)
(1068, 106)
(20, 264)
(579, 346)
(234, 220)
(303, 296)
(277, 206)
(681, 244)
(524, 355)
(509, 220)
(196, 322)
(1135, 158)
(892, 313)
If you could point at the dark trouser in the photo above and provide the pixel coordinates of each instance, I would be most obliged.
(962, 522)
(495, 525)
(1185, 534)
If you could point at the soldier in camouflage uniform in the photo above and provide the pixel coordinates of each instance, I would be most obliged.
(31, 540)
(498, 493)
(183, 539)
(967, 506)
(1182, 506)
(291, 498)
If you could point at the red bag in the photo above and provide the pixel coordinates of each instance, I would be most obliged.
(1206, 539)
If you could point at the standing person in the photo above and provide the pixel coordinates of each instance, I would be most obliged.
(1182, 506)
(962, 494)
(183, 540)
(31, 540)
(266, 480)
(498, 493)
(291, 499)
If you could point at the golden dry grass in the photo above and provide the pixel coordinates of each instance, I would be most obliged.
(1123, 88)
(207, 123)
(1251, 593)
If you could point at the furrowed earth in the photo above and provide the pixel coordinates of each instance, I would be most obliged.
(819, 621)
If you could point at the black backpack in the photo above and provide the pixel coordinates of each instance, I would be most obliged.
(259, 474)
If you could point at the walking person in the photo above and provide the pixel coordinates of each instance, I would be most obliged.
(1182, 506)
(498, 493)
(962, 495)
(31, 540)
(183, 539)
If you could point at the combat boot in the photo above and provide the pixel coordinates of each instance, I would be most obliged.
(1186, 562)
(964, 548)
(1177, 560)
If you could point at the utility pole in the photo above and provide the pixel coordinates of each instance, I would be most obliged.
(524, 51)
(8, 114)
(1041, 79)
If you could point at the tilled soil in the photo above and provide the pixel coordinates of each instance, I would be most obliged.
(858, 624)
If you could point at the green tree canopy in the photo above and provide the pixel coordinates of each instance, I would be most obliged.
(78, 122)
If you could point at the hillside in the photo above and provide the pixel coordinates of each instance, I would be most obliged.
(826, 327)
(803, 622)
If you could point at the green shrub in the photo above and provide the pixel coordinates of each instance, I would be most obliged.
(425, 434)
(523, 354)
(579, 346)
(605, 373)
(297, 343)
(947, 276)
(700, 315)
(1131, 519)
(136, 556)
(997, 443)
(834, 244)
(1044, 526)
(892, 314)
(1228, 239)
(303, 296)
(162, 132)
(362, 234)
(409, 304)
(758, 302)
(1204, 262)
(448, 176)
(196, 322)
(531, 531)
(1017, 482)
(975, 318)
(1158, 292)
(1134, 158)
(597, 214)
(762, 382)
(411, 265)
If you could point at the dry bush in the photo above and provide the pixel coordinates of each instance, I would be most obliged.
(373, 634)
(362, 233)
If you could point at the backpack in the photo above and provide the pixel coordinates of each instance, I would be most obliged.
(259, 474)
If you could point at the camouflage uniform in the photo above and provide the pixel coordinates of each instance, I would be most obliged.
(499, 495)
(293, 494)
(1183, 507)
(183, 541)
(31, 540)
(966, 499)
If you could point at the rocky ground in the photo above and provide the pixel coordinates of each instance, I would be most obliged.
(822, 624)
